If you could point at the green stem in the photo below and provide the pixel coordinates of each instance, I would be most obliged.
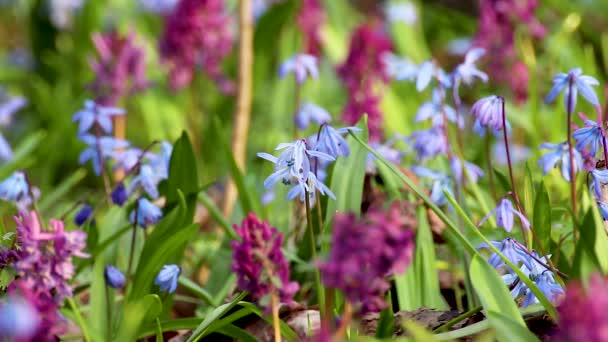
(447, 325)
(79, 319)
(313, 252)
(132, 249)
(108, 313)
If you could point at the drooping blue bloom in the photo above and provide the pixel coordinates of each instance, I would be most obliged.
(428, 143)
(99, 149)
(401, 12)
(590, 135)
(559, 154)
(488, 112)
(147, 180)
(512, 250)
(473, 170)
(128, 159)
(518, 153)
(147, 213)
(398, 68)
(505, 212)
(574, 81)
(83, 215)
(302, 66)
(332, 142)
(541, 276)
(114, 277)
(160, 162)
(167, 278)
(440, 182)
(467, 71)
(299, 190)
(435, 109)
(603, 209)
(429, 70)
(10, 106)
(311, 112)
(94, 113)
(15, 188)
(18, 320)
(387, 151)
(6, 152)
(292, 163)
(598, 177)
(481, 130)
(119, 195)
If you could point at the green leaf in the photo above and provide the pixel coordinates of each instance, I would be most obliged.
(183, 173)
(59, 191)
(194, 288)
(418, 333)
(386, 323)
(503, 181)
(237, 333)
(135, 313)
(508, 329)
(491, 289)
(595, 238)
(169, 325)
(22, 153)
(286, 330)
(214, 315)
(542, 217)
(217, 215)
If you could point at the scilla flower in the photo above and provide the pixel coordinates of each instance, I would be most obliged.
(511, 249)
(467, 71)
(574, 81)
(488, 112)
(400, 69)
(440, 183)
(436, 109)
(167, 278)
(473, 170)
(429, 143)
(429, 70)
(99, 149)
(147, 180)
(119, 194)
(505, 212)
(302, 66)
(146, 212)
(15, 187)
(310, 112)
(114, 278)
(83, 215)
(541, 276)
(331, 141)
(599, 177)
(559, 154)
(96, 114)
(589, 136)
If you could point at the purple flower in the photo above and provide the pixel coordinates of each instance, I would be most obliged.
(387, 151)
(83, 215)
(384, 244)
(435, 110)
(301, 66)
(511, 249)
(15, 188)
(331, 141)
(258, 261)
(96, 114)
(505, 212)
(590, 135)
(145, 213)
(440, 183)
(467, 71)
(197, 33)
(99, 149)
(147, 179)
(18, 319)
(489, 112)
(310, 19)
(119, 195)
(473, 170)
(120, 69)
(559, 154)
(429, 143)
(128, 159)
(582, 313)
(574, 81)
(167, 278)
(310, 112)
(114, 278)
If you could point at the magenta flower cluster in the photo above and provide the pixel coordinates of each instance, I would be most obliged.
(364, 252)
(198, 33)
(362, 73)
(120, 68)
(258, 261)
(499, 20)
(311, 17)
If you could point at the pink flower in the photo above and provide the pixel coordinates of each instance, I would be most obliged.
(310, 19)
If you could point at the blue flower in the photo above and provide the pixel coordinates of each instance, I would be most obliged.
(19, 320)
(147, 213)
(511, 249)
(301, 65)
(505, 215)
(15, 188)
(94, 113)
(429, 143)
(435, 109)
(440, 182)
(119, 195)
(146, 179)
(473, 170)
(541, 276)
(518, 153)
(560, 153)
(480, 129)
(598, 177)
(404, 12)
(603, 209)
(114, 278)
(467, 71)
(160, 162)
(99, 149)
(400, 69)
(590, 135)
(6, 152)
(311, 185)
(387, 151)
(488, 111)
(331, 141)
(167, 278)
(574, 81)
(426, 72)
(83, 215)
(128, 159)
(9, 107)
(310, 112)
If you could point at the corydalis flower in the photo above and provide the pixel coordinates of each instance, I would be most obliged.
(582, 313)
(589, 136)
(259, 263)
(574, 81)
(429, 143)
(167, 278)
(301, 66)
(311, 18)
(489, 112)
(362, 72)
(94, 113)
(384, 243)
(310, 112)
(197, 32)
(120, 68)
(559, 154)
(505, 214)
